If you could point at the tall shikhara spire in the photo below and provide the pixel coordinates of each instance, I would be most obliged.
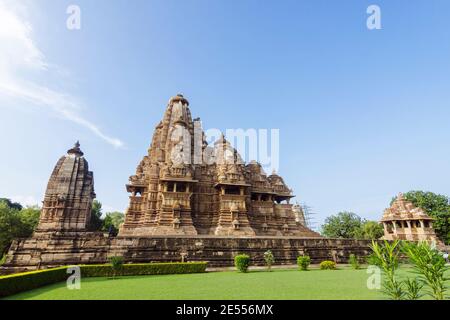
(68, 198)
(172, 194)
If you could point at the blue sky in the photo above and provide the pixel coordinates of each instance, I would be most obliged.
(362, 114)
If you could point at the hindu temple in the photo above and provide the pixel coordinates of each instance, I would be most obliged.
(188, 200)
(404, 221)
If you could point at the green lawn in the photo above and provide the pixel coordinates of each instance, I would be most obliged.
(278, 284)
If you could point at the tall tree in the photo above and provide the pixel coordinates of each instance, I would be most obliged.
(16, 223)
(372, 230)
(345, 225)
(112, 222)
(96, 216)
(10, 204)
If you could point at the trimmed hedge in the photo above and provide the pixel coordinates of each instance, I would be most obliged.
(20, 282)
(141, 269)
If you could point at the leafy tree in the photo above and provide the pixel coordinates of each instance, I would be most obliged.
(96, 216)
(112, 221)
(30, 218)
(9, 226)
(372, 230)
(437, 206)
(15, 223)
(10, 204)
(345, 225)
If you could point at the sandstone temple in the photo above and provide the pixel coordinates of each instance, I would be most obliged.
(218, 196)
(187, 199)
(404, 221)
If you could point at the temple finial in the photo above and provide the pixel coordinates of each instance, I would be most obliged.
(76, 149)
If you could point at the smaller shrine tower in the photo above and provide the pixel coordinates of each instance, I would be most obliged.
(68, 199)
(404, 221)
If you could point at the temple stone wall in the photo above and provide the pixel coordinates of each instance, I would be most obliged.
(94, 248)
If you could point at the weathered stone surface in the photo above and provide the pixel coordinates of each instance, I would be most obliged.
(219, 195)
(68, 198)
(218, 251)
(404, 221)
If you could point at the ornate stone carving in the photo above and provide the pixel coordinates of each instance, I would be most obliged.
(220, 196)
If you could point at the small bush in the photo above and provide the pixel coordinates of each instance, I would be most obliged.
(242, 262)
(353, 261)
(328, 265)
(116, 264)
(413, 287)
(269, 259)
(303, 262)
(372, 260)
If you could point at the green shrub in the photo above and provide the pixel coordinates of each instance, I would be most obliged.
(413, 289)
(116, 264)
(430, 266)
(242, 262)
(328, 265)
(385, 256)
(353, 261)
(303, 262)
(269, 259)
(20, 282)
(372, 260)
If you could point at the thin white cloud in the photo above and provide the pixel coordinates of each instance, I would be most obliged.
(21, 59)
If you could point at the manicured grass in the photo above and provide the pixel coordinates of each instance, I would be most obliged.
(342, 284)
(278, 284)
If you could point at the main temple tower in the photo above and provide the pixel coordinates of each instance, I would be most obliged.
(172, 193)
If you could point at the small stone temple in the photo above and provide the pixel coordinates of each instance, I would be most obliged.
(404, 221)
(68, 198)
(196, 211)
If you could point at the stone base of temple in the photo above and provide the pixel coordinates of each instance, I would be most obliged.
(94, 248)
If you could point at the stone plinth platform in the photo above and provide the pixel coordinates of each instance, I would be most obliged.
(52, 251)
